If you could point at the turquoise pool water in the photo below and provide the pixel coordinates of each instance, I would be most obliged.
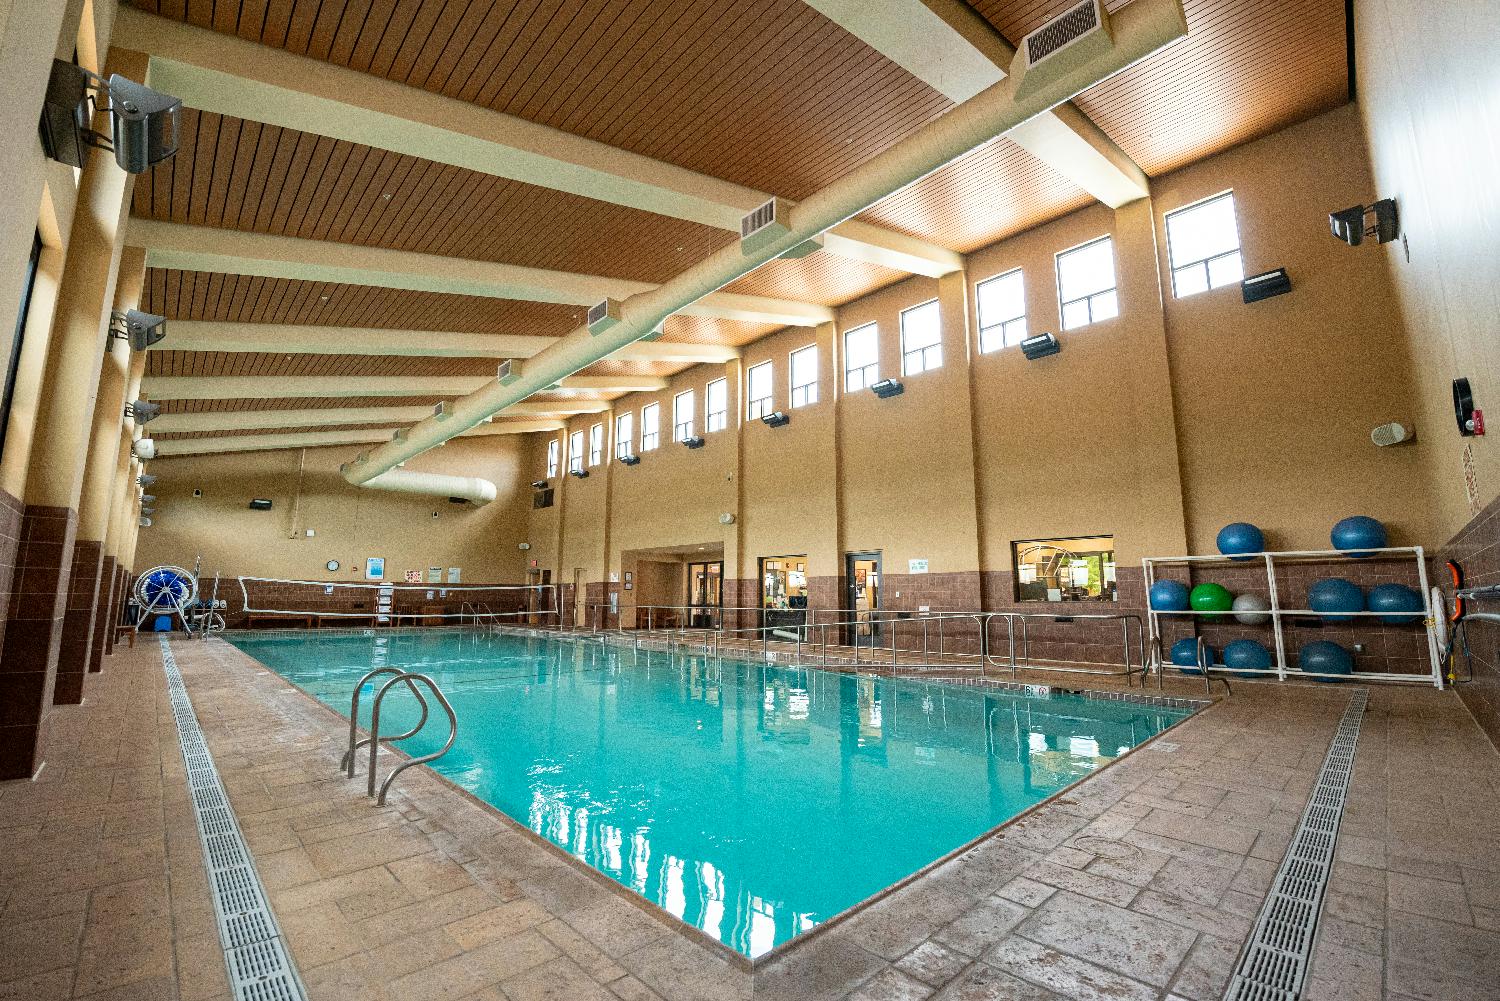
(753, 802)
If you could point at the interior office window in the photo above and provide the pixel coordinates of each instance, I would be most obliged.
(15, 342)
(575, 450)
(1086, 283)
(861, 357)
(596, 444)
(1081, 568)
(625, 435)
(805, 376)
(716, 403)
(1002, 311)
(921, 339)
(554, 447)
(758, 390)
(650, 426)
(683, 405)
(1203, 242)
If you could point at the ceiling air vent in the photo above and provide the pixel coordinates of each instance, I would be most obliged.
(442, 411)
(1063, 43)
(508, 371)
(603, 315)
(765, 224)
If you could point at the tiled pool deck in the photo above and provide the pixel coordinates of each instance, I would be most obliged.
(1140, 883)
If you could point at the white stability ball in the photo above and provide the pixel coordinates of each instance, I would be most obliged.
(1251, 608)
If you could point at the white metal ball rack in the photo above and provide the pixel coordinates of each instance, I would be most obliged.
(1281, 668)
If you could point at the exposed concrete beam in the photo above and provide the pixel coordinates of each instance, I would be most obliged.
(203, 248)
(268, 387)
(231, 76)
(252, 420)
(953, 49)
(323, 439)
(209, 335)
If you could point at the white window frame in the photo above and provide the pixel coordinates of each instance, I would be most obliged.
(1093, 299)
(625, 435)
(1001, 332)
(758, 407)
(927, 356)
(716, 420)
(650, 427)
(859, 377)
(1206, 263)
(682, 430)
(806, 393)
(575, 451)
(554, 457)
(596, 444)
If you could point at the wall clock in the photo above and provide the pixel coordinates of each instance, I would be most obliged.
(333, 565)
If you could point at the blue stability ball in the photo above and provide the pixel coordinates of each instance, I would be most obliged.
(1241, 537)
(1393, 598)
(1357, 533)
(1323, 657)
(1185, 655)
(1169, 596)
(1335, 594)
(1247, 658)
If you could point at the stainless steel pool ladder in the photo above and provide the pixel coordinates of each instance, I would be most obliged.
(411, 680)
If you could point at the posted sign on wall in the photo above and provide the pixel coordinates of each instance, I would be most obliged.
(916, 566)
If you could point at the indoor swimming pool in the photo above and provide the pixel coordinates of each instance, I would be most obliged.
(753, 802)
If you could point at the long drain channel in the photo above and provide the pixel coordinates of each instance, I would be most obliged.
(1273, 965)
(255, 955)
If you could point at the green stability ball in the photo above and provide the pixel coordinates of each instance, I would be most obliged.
(1211, 598)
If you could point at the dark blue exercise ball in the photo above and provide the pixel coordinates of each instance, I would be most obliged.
(1395, 598)
(1335, 594)
(1169, 596)
(1185, 655)
(1358, 533)
(1240, 537)
(1323, 657)
(1247, 658)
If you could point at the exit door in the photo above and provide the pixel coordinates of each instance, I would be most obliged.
(862, 598)
(705, 594)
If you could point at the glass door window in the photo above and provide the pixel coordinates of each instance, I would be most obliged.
(783, 591)
(705, 593)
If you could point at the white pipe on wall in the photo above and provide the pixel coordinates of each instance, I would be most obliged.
(470, 488)
(1139, 29)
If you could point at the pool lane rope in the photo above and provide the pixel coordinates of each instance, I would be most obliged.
(1273, 964)
(256, 957)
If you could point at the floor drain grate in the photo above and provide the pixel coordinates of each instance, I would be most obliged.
(257, 961)
(1273, 964)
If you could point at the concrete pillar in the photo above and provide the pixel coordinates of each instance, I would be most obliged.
(54, 480)
(119, 503)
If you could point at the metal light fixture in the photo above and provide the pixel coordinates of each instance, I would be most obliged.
(1381, 220)
(776, 420)
(886, 388)
(144, 123)
(693, 441)
(142, 412)
(1265, 285)
(140, 328)
(1040, 346)
(631, 459)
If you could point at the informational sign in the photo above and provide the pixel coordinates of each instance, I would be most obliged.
(916, 566)
(796, 578)
(414, 576)
(375, 568)
(1471, 479)
(430, 594)
(455, 574)
(434, 575)
(614, 578)
(629, 580)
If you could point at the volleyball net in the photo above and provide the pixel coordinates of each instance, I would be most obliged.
(396, 604)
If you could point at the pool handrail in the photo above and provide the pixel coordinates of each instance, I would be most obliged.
(346, 763)
(409, 677)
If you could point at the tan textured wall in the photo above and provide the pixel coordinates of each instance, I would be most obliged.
(351, 523)
(1429, 97)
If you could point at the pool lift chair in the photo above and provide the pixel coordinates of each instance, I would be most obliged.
(172, 590)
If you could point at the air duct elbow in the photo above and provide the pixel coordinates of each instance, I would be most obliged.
(471, 488)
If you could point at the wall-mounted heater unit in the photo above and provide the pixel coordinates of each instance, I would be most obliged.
(1040, 346)
(581, 474)
(1265, 285)
(765, 224)
(693, 441)
(630, 460)
(886, 388)
(1072, 38)
(603, 315)
(260, 504)
(776, 420)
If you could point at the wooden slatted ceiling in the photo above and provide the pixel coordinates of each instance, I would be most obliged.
(288, 429)
(242, 175)
(766, 93)
(238, 363)
(996, 191)
(818, 278)
(1246, 69)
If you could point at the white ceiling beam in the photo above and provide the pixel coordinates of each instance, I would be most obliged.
(254, 420)
(220, 251)
(288, 338)
(268, 387)
(323, 439)
(949, 46)
(226, 75)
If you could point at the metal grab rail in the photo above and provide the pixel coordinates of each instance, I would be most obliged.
(346, 763)
(437, 693)
(1124, 618)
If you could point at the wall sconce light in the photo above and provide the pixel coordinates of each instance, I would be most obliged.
(693, 441)
(1265, 285)
(631, 459)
